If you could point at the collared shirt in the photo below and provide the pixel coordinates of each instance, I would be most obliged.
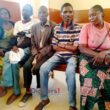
(68, 35)
(42, 31)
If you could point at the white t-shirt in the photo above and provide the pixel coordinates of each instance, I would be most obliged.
(20, 26)
(15, 57)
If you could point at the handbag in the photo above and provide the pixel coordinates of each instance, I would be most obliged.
(22, 40)
(90, 59)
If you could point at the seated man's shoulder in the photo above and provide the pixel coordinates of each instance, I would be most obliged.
(57, 27)
(52, 23)
(18, 22)
(78, 26)
(34, 21)
(35, 25)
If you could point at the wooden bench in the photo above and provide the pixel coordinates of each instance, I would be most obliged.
(62, 67)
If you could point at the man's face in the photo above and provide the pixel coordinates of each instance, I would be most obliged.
(26, 12)
(67, 14)
(43, 14)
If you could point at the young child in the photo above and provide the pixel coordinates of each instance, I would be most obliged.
(16, 54)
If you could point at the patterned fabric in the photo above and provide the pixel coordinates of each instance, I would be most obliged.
(8, 34)
(66, 36)
(95, 86)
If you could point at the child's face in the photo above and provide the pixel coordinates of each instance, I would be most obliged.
(15, 49)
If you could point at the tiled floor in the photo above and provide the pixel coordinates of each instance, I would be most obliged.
(57, 93)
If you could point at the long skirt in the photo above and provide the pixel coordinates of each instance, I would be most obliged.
(94, 86)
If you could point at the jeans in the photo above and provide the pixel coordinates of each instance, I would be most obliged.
(10, 75)
(51, 64)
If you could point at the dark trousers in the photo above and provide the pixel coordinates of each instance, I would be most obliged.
(28, 74)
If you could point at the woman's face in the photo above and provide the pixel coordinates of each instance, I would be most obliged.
(4, 14)
(96, 17)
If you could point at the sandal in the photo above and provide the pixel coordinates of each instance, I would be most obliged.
(25, 99)
(42, 104)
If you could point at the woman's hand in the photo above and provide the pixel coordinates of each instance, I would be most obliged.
(107, 59)
(99, 58)
(1, 52)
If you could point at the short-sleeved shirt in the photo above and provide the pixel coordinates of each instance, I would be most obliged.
(69, 35)
(92, 36)
(20, 26)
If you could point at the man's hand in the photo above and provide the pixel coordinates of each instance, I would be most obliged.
(34, 51)
(61, 45)
(39, 57)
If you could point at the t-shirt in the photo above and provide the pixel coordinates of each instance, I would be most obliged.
(93, 36)
(25, 27)
(66, 36)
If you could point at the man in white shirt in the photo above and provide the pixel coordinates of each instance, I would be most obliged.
(11, 71)
(41, 50)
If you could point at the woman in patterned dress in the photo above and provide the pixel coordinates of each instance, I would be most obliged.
(95, 83)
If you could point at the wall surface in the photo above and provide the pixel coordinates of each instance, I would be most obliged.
(81, 9)
(79, 4)
(13, 8)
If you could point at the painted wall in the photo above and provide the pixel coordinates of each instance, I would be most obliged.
(35, 3)
(13, 7)
(81, 9)
(54, 7)
(79, 4)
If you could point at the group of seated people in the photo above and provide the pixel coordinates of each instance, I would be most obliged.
(52, 45)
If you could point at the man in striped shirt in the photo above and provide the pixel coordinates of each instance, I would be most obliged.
(65, 45)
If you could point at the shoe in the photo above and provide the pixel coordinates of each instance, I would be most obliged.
(72, 108)
(3, 91)
(12, 98)
(25, 99)
(42, 104)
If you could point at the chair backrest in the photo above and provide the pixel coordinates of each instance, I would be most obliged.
(80, 16)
